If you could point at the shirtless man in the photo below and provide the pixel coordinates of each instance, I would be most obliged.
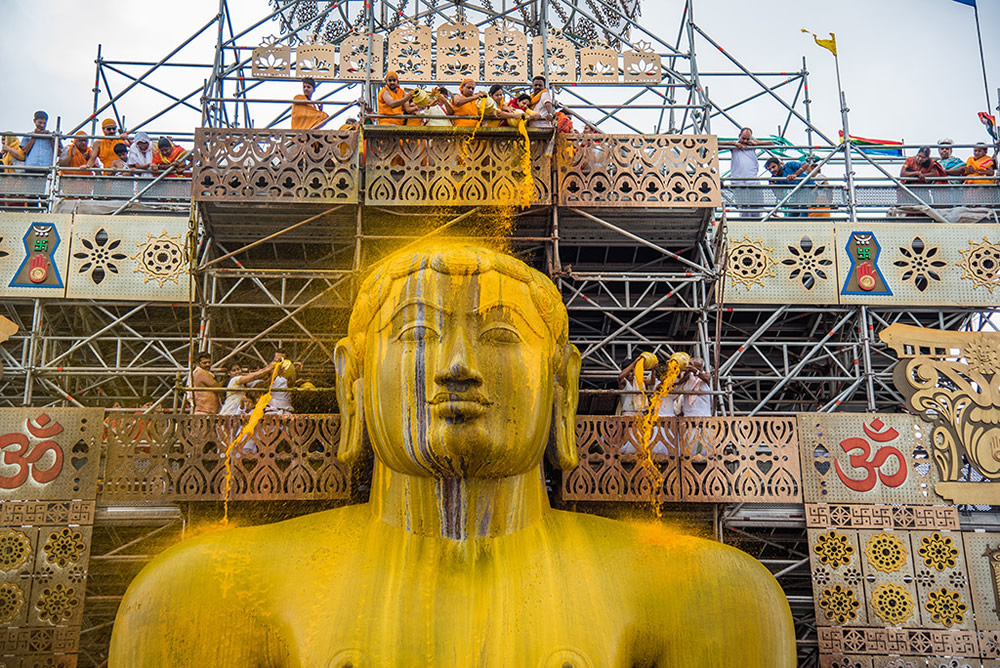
(205, 403)
(457, 364)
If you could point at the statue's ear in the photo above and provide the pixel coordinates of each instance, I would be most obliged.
(349, 397)
(567, 395)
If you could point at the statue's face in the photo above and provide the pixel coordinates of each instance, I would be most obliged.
(457, 376)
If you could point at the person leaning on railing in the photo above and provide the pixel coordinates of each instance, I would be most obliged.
(980, 165)
(307, 116)
(11, 154)
(77, 156)
(39, 151)
(168, 155)
(394, 101)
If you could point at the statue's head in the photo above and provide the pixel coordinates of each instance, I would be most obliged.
(457, 361)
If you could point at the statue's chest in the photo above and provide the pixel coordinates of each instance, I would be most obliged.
(436, 622)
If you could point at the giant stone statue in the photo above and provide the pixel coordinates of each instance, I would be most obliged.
(457, 367)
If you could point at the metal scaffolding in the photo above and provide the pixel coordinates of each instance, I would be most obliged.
(289, 278)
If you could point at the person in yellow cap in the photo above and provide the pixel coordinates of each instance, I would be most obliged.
(463, 103)
(104, 149)
(394, 101)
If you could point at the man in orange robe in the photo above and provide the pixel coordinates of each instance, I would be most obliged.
(394, 101)
(77, 156)
(306, 116)
(464, 104)
(104, 149)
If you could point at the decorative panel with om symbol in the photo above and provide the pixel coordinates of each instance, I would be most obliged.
(872, 458)
(48, 483)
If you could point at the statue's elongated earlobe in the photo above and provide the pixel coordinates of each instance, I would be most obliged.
(349, 395)
(566, 398)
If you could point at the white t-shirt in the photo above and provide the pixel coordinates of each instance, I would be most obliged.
(744, 165)
(546, 108)
(697, 405)
(434, 116)
(234, 400)
(633, 402)
(281, 402)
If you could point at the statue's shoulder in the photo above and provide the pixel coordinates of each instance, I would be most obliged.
(724, 597)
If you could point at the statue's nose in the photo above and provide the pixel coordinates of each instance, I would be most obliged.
(458, 366)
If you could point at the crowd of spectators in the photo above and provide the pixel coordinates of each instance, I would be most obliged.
(113, 153)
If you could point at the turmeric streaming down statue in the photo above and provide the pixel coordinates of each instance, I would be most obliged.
(457, 364)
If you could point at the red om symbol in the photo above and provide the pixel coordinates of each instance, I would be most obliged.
(874, 464)
(26, 459)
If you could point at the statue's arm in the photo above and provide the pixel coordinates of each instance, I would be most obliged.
(723, 609)
(180, 612)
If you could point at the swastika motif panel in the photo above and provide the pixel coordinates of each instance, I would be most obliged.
(860, 263)
(892, 263)
(861, 516)
(142, 258)
(155, 458)
(34, 252)
(873, 458)
(914, 642)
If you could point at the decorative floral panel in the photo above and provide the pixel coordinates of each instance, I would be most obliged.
(316, 60)
(561, 58)
(642, 65)
(598, 65)
(506, 58)
(457, 52)
(271, 60)
(354, 57)
(410, 52)
(140, 258)
(780, 263)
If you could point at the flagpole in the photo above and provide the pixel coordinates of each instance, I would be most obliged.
(982, 58)
(846, 142)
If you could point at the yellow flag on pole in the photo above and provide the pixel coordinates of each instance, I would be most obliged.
(828, 44)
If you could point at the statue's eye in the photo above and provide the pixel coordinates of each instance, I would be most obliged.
(500, 334)
(417, 333)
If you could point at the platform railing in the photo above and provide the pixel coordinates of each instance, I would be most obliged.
(161, 458)
(429, 166)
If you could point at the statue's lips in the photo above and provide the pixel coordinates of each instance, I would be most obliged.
(459, 407)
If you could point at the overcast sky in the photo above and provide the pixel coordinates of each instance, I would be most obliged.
(910, 68)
